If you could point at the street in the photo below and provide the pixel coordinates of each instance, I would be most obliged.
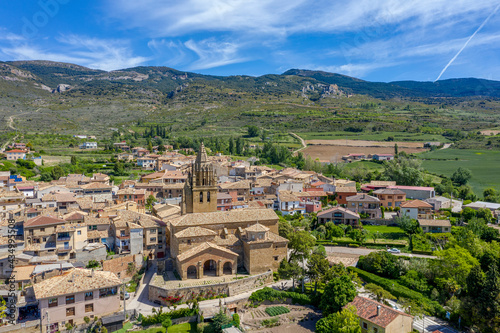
(363, 251)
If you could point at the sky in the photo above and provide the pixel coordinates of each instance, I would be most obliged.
(375, 40)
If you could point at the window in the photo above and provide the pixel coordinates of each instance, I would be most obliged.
(89, 307)
(389, 204)
(201, 197)
(70, 299)
(365, 325)
(375, 330)
(189, 242)
(42, 229)
(208, 196)
(79, 232)
(152, 239)
(70, 312)
(105, 292)
(160, 247)
(89, 295)
(153, 231)
(276, 258)
(52, 302)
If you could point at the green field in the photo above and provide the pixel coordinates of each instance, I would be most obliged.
(383, 229)
(369, 165)
(375, 136)
(183, 328)
(484, 165)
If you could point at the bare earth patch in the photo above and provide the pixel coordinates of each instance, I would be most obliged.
(365, 143)
(490, 132)
(301, 319)
(334, 153)
(54, 160)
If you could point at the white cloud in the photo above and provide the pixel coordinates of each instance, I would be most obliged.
(212, 53)
(95, 53)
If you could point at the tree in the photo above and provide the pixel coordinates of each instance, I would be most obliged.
(253, 131)
(333, 230)
(404, 171)
(167, 323)
(490, 194)
(301, 244)
(338, 292)
(317, 266)
(118, 169)
(219, 321)
(395, 150)
(456, 263)
(357, 235)
(380, 293)
(346, 321)
(150, 200)
(284, 228)
(73, 160)
(461, 176)
(289, 270)
(409, 226)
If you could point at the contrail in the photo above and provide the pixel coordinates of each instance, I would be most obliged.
(467, 42)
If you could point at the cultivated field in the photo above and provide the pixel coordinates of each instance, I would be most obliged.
(333, 150)
(483, 164)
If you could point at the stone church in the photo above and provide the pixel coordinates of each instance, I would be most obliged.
(207, 242)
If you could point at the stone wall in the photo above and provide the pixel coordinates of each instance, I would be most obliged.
(85, 255)
(235, 287)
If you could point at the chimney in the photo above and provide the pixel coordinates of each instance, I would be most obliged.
(378, 310)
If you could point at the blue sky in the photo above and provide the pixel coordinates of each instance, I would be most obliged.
(376, 40)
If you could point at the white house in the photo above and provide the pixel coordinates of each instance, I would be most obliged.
(289, 203)
(88, 145)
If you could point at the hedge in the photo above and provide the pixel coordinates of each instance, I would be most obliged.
(269, 294)
(422, 252)
(433, 307)
(348, 243)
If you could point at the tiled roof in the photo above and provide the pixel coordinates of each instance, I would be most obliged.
(388, 191)
(10, 194)
(287, 196)
(257, 227)
(336, 209)
(415, 204)
(346, 189)
(68, 227)
(95, 186)
(43, 220)
(75, 281)
(414, 188)
(242, 184)
(434, 223)
(131, 191)
(202, 247)
(91, 220)
(117, 265)
(367, 310)
(195, 232)
(23, 273)
(144, 220)
(223, 217)
(73, 216)
(363, 198)
(93, 234)
(312, 194)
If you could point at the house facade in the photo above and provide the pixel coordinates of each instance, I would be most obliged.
(365, 204)
(339, 215)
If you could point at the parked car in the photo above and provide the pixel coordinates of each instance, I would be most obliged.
(126, 296)
(393, 250)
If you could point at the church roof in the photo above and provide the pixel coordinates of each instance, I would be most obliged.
(257, 227)
(202, 155)
(202, 247)
(223, 217)
(195, 232)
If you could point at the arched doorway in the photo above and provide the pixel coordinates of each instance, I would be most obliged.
(228, 268)
(210, 268)
(191, 272)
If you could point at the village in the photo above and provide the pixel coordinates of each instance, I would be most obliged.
(80, 251)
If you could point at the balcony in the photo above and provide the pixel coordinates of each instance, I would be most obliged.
(64, 249)
(124, 236)
(63, 239)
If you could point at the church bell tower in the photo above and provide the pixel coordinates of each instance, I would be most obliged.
(200, 190)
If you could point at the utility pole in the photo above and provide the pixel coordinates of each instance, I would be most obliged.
(124, 301)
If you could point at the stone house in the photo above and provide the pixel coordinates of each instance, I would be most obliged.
(343, 192)
(131, 194)
(379, 318)
(416, 192)
(339, 215)
(435, 226)
(365, 204)
(10, 200)
(75, 294)
(390, 197)
(15, 154)
(289, 203)
(98, 191)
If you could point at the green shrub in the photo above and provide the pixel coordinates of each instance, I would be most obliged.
(353, 245)
(236, 320)
(432, 307)
(167, 323)
(269, 294)
(270, 322)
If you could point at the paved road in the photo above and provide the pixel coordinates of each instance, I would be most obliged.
(364, 251)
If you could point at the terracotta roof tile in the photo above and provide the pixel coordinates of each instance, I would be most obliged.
(367, 310)
(75, 281)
